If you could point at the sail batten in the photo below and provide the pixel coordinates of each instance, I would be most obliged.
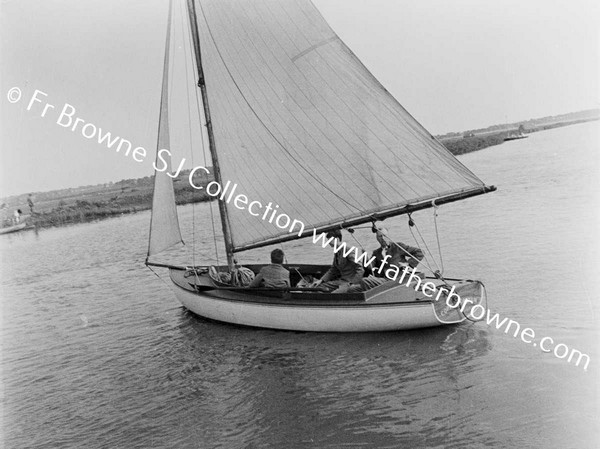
(304, 127)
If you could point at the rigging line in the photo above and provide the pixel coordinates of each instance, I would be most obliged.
(434, 272)
(156, 274)
(425, 243)
(298, 271)
(351, 232)
(196, 275)
(437, 234)
(187, 98)
(424, 261)
(262, 123)
(212, 218)
(284, 253)
(200, 116)
(166, 90)
(171, 69)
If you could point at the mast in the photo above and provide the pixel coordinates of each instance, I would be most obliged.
(211, 139)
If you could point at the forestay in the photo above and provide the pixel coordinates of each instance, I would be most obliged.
(164, 226)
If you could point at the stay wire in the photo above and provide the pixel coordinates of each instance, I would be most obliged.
(158, 276)
(351, 232)
(425, 258)
(212, 215)
(424, 242)
(284, 253)
(424, 261)
(437, 236)
(187, 98)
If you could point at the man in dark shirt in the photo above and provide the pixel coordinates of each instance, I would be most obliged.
(274, 275)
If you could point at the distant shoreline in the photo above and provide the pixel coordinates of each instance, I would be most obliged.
(474, 141)
(90, 203)
(85, 204)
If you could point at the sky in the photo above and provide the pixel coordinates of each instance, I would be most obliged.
(453, 64)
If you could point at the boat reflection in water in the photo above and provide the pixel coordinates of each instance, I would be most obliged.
(287, 389)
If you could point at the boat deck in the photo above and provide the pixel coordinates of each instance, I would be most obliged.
(388, 293)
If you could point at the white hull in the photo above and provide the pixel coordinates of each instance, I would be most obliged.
(317, 319)
(379, 313)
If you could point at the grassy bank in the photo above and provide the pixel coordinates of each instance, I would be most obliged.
(468, 144)
(103, 201)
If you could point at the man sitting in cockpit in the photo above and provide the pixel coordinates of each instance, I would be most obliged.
(344, 271)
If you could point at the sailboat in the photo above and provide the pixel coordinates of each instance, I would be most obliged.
(516, 134)
(299, 126)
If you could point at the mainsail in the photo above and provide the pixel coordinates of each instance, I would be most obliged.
(299, 122)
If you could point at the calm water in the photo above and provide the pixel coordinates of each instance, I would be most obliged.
(97, 353)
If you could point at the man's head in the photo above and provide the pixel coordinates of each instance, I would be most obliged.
(381, 233)
(336, 234)
(277, 256)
